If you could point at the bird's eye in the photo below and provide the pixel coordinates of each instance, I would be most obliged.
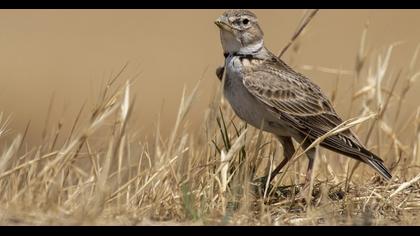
(245, 21)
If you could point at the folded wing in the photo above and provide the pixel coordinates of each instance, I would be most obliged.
(301, 103)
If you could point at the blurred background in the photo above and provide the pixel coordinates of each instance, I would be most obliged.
(67, 55)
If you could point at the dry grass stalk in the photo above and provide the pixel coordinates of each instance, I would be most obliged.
(105, 172)
(303, 23)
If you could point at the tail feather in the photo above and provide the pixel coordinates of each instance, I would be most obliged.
(376, 163)
(358, 152)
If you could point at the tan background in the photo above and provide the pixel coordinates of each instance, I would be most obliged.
(69, 53)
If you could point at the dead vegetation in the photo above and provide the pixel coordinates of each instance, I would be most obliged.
(105, 174)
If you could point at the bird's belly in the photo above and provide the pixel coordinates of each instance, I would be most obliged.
(249, 109)
(244, 105)
(241, 101)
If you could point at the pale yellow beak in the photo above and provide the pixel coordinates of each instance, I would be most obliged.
(222, 23)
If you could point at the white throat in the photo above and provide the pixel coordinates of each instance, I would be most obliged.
(252, 48)
(232, 45)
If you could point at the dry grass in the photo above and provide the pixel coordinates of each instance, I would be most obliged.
(104, 173)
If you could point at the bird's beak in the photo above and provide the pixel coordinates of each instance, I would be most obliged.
(222, 23)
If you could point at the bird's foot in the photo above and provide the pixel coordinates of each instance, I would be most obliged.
(305, 192)
(260, 185)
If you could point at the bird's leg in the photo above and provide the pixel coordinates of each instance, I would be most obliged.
(306, 191)
(311, 157)
(288, 151)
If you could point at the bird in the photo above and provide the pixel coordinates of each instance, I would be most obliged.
(268, 94)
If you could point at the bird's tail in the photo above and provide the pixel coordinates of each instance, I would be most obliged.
(377, 163)
(360, 153)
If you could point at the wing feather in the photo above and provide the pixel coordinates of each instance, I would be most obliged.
(302, 104)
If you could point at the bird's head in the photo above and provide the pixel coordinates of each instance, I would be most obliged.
(239, 31)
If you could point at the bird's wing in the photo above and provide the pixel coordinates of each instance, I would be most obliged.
(301, 103)
(292, 95)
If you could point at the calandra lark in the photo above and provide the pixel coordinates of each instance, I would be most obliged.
(266, 93)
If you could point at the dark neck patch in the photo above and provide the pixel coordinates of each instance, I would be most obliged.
(242, 55)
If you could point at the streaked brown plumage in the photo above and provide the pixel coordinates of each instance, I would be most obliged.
(262, 89)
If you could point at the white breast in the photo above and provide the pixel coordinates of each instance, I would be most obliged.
(242, 102)
(245, 105)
